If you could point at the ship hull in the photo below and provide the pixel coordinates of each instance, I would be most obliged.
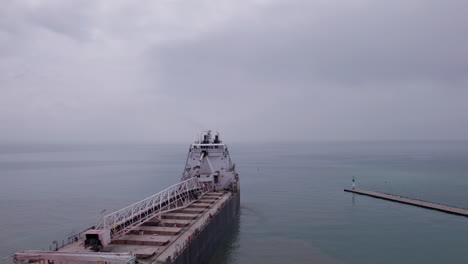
(202, 247)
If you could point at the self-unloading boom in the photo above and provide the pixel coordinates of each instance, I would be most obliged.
(175, 197)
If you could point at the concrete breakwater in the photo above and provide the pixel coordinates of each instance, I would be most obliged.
(405, 200)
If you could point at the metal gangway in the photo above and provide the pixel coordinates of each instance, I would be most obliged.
(177, 196)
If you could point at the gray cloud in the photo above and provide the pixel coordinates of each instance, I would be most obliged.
(304, 70)
(72, 19)
(357, 43)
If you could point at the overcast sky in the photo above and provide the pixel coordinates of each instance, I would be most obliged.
(292, 70)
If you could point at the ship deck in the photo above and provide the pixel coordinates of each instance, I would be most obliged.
(164, 236)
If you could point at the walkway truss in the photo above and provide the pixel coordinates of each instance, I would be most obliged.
(175, 197)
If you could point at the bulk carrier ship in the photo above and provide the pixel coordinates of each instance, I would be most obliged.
(181, 224)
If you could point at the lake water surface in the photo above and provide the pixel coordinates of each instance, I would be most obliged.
(293, 208)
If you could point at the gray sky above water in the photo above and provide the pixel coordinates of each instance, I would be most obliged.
(290, 70)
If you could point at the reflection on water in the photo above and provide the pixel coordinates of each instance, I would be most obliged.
(235, 250)
(276, 251)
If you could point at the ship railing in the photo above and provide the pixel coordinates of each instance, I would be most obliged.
(55, 246)
(175, 197)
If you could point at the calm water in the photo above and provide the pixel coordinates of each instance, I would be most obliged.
(293, 207)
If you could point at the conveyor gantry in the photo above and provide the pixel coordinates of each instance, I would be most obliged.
(175, 197)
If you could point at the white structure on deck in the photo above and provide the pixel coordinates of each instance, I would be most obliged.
(209, 161)
(175, 197)
(46, 257)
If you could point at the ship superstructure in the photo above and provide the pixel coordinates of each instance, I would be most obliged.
(209, 161)
(181, 224)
